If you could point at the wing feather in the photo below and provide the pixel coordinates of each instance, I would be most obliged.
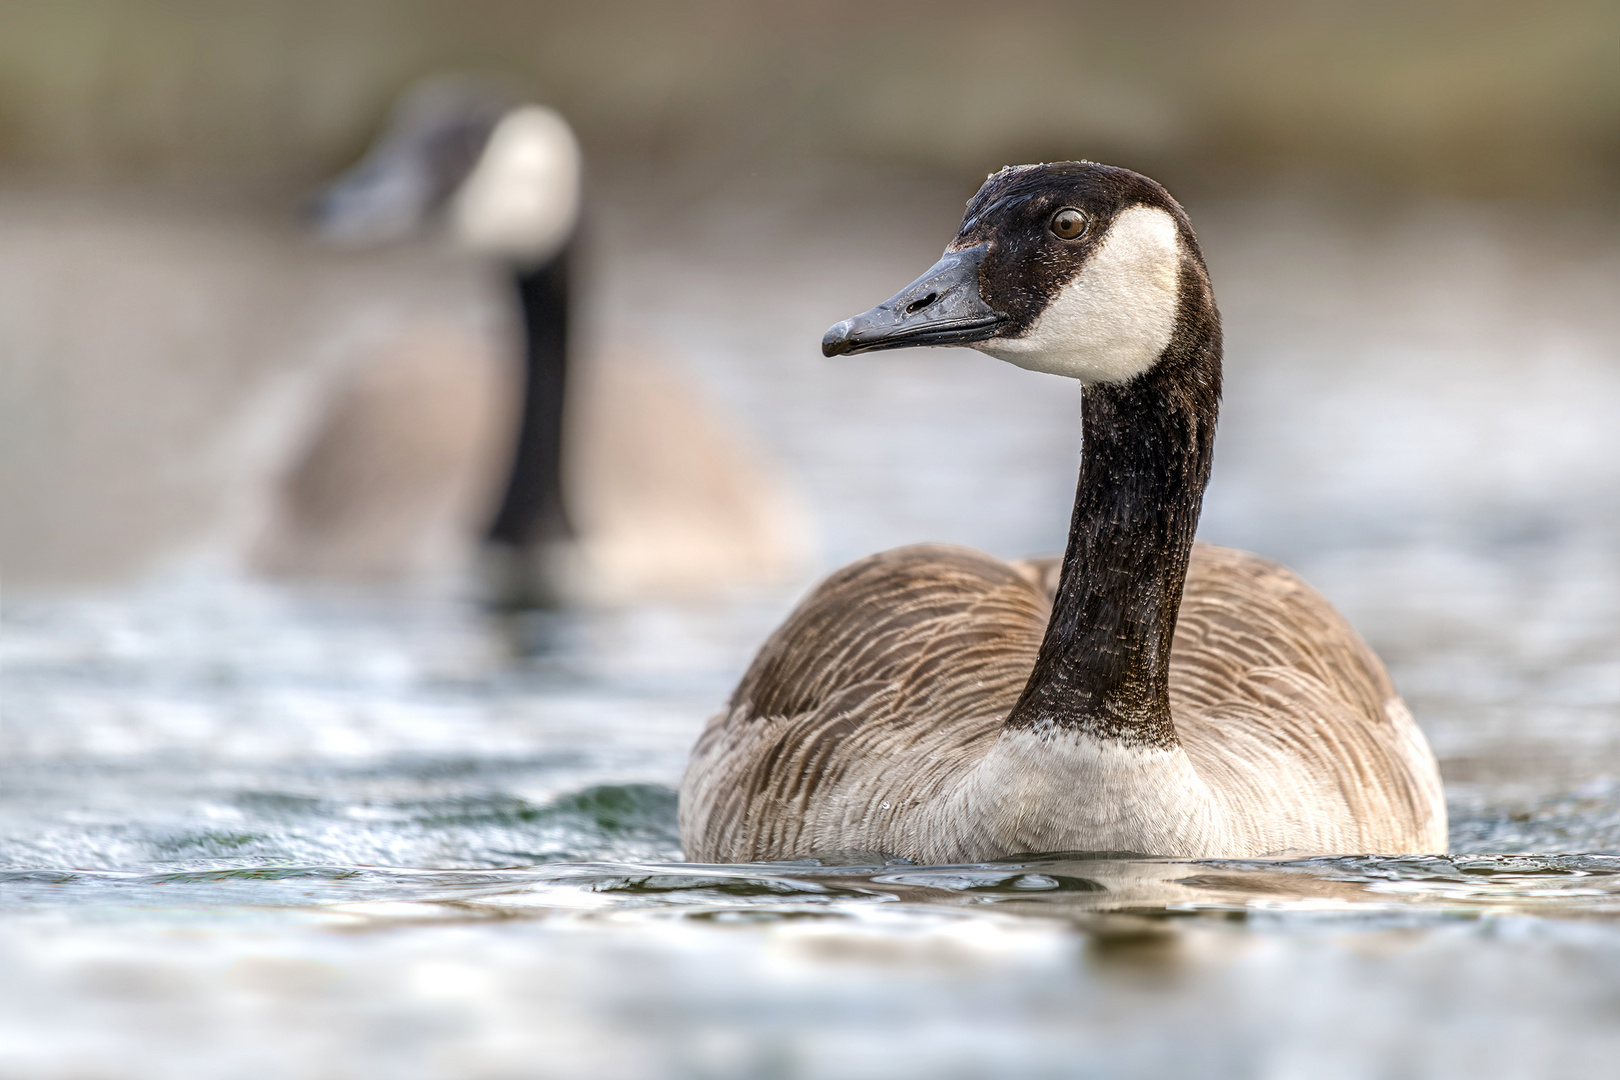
(892, 678)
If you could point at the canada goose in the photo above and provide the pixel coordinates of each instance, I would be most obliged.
(942, 705)
(635, 489)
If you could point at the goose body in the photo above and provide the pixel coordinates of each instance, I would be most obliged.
(1143, 694)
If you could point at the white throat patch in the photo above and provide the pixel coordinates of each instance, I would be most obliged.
(522, 198)
(1114, 320)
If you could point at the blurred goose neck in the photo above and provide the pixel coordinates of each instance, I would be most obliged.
(532, 511)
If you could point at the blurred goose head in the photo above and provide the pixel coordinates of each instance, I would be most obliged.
(504, 177)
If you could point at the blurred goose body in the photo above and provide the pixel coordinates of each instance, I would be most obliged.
(1144, 694)
(595, 504)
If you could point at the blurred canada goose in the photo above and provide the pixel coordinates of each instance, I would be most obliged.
(1146, 694)
(635, 488)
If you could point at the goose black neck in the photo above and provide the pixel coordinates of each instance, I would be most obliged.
(1103, 667)
(531, 510)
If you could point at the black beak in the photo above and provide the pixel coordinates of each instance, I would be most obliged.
(943, 307)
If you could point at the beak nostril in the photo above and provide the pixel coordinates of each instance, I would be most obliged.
(942, 307)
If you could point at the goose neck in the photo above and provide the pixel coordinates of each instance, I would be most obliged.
(531, 510)
(1103, 666)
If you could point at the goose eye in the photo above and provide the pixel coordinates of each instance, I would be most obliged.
(1068, 223)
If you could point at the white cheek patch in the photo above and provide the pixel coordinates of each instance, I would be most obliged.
(1114, 320)
(522, 198)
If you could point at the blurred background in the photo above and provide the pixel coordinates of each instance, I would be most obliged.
(1460, 99)
(244, 472)
(168, 330)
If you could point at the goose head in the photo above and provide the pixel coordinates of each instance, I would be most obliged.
(504, 177)
(1071, 268)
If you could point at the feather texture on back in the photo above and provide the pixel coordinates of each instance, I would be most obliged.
(861, 724)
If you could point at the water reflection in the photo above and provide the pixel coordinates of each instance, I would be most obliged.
(1352, 889)
(620, 969)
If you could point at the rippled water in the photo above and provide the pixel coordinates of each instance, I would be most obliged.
(258, 833)
(263, 832)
